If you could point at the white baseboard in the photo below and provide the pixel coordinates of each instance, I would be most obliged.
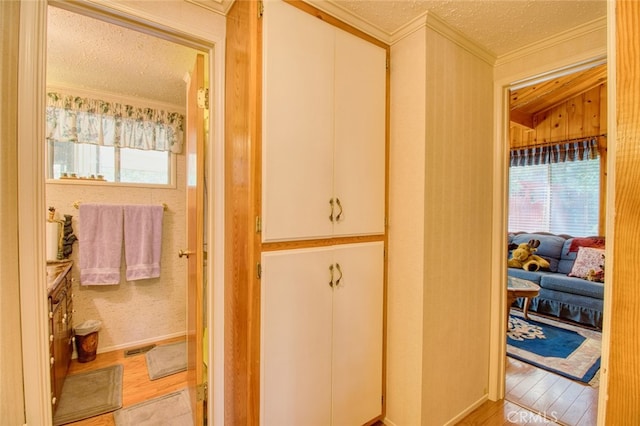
(457, 418)
(468, 411)
(132, 344)
(388, 422)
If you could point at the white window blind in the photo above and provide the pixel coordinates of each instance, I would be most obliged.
(562, 198)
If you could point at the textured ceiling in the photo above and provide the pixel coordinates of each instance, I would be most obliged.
(87, 53)
(500, 26)
(90, 54)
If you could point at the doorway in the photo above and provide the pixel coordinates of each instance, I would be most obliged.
(121, 70)
(182, 27)
(540, 116)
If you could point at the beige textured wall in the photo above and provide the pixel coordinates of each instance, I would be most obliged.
(406, 230)
(440, 181)
(136, 311)
(11, 388)
(457, 288)
(589, 43)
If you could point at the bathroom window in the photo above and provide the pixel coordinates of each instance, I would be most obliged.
(70, 160)
(99, 140)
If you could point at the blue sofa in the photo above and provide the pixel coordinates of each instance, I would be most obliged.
(562, 296)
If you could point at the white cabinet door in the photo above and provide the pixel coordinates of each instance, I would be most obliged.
(321, 344)
(357, 334)
(324, 106)
(360, 123)
(296, 338)
(297, 167)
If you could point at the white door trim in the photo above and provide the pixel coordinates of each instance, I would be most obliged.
(188, 22)
(500, 216)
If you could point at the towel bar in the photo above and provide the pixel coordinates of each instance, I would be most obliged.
(76, 204)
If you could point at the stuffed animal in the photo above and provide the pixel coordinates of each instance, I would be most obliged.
(523, 257)
(596, 275)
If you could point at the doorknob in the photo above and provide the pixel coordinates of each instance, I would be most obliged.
(185, 253)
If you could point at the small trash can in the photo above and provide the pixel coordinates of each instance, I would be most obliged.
(86, 336)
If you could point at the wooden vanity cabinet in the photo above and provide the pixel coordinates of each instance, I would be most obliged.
(60, 325)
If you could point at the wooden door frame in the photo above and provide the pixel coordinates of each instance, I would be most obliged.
(31, 185)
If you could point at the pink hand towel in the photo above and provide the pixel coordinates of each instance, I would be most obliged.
(100, 243)
(142, 241)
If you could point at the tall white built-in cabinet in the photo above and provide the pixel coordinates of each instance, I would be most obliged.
(321, 219)
(323, 176)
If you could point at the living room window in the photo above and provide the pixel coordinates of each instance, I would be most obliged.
(555, 189)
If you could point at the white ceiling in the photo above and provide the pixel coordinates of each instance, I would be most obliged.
(500, 26)
(87, 53)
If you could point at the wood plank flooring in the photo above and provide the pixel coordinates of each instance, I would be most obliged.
(136, 386)
(562, 401)
(538, 397)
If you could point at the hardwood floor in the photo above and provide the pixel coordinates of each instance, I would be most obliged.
(538, 397)
(136, 386)
(549, 399)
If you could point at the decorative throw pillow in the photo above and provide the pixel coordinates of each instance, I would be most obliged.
(588, 258)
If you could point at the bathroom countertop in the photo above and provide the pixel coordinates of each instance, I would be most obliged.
(55, 272)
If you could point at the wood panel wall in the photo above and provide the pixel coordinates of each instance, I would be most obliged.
(582, 116)
(623, 407)
(456, 300)
(579, 117)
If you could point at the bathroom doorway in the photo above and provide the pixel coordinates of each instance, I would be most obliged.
(113, 63)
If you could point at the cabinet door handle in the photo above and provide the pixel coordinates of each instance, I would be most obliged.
(331, 275)
(340, 207)
(340, 272)
(331, 215)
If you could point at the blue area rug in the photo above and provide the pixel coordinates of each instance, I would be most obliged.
(561, 348)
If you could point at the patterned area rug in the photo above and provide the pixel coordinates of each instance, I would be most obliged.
(89, 394)
(564, 349)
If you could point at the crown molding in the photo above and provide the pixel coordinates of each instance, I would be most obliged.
(218, 6)
(436, 24)
(550, 42)
(348, 17)
(427, 19)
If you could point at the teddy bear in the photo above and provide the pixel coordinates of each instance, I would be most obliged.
(523, 257)
(596, 275)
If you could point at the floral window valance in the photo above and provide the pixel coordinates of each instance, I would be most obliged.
(567, 151)
(84, 120)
